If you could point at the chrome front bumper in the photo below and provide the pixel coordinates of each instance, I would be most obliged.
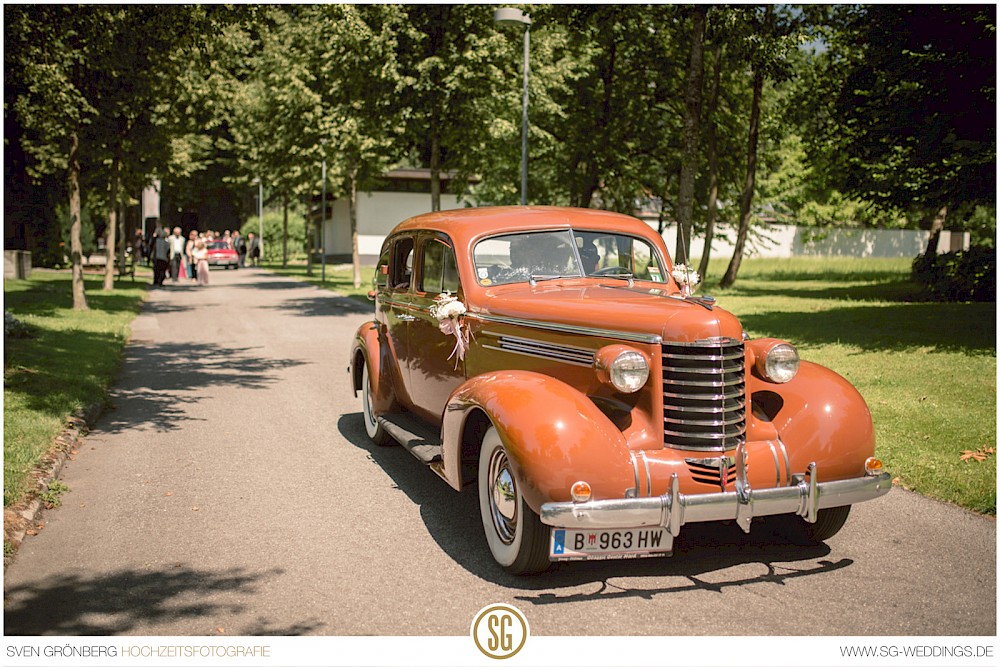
(804, 497)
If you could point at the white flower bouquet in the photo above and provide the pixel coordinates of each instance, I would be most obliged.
(686, 277)
(449, 311)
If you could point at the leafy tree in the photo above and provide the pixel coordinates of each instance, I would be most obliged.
(765, 36)
(692, 120)
(901, 108)
(606, 125)
(450, 60)
(48, 47)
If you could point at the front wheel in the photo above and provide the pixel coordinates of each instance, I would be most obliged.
(375, 430)
(797, 530)
(516, 535)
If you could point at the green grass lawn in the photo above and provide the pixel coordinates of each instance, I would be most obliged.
(927, 370)
(67, 364)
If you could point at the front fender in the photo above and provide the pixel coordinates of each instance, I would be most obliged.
(554, 435)
(820, 417)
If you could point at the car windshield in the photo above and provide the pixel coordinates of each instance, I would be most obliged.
(513, 258)
(218, 245)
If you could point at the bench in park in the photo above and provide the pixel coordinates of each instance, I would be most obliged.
(97, 261)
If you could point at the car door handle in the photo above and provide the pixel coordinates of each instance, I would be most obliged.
(406, 318)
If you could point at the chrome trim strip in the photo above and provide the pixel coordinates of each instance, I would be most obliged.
(534, 348)
(649, 477)
(635, 469)
(570, 329)
(674, 509)
(777, 465)
(788, 465)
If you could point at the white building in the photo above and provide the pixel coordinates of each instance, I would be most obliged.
(405, 193)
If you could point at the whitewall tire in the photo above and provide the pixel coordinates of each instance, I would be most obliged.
(516, 536)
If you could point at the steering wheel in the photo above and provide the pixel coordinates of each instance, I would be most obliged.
(611, 271)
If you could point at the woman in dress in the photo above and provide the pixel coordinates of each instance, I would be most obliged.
(200, 255)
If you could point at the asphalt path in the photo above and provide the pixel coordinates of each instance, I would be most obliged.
(231, 490)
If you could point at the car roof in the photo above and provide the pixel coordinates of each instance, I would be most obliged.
(464, 225)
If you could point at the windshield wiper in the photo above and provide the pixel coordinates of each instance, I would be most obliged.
(624, 275)
(534, 279)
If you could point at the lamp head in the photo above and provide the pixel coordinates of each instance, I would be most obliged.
(511, 16)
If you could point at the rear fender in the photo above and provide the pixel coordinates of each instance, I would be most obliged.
(821, 417)
(368, 349)
(554, 436)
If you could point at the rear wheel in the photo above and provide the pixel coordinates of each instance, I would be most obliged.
(799, 531)
(375, 430)
(516, 535)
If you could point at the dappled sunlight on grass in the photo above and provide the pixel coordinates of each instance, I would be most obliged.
(65, 364)
(927, 370)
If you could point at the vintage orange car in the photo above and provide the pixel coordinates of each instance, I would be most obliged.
(551, 355)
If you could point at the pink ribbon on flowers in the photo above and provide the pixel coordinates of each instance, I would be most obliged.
(452, 327)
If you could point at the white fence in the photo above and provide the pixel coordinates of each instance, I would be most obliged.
(792, 241)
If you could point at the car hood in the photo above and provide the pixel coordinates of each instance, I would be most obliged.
(634, 310)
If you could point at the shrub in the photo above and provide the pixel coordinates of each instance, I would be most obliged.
(969, 275)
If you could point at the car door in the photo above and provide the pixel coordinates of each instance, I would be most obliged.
(398, 310)
(435, 369)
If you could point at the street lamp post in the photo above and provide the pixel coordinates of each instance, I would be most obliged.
(260, 216)
(509, 16)
(322, 218)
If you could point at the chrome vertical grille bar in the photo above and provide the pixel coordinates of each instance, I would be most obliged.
(704, 395)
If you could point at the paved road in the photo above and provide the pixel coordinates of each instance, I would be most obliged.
(232, 490)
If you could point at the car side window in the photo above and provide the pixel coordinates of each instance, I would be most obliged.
(438, 269)
(382, 270)
(401, 272)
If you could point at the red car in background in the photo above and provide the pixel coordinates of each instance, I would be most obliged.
(220, 254)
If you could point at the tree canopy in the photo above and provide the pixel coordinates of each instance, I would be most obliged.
(828, 115)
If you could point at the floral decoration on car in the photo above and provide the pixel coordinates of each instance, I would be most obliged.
(448, 311)
(686, 277)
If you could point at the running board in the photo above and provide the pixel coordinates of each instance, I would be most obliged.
(421, 440)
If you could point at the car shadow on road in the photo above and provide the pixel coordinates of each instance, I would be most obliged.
(160, 379)
(128, 601)
(709, 557)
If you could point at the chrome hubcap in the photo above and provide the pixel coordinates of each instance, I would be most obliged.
(503, 497)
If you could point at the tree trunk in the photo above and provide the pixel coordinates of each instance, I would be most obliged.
(435, 172)
(352, 203)
(309, 238)
(689, 152)
(284, 232)
(746, 200)
(109, 267)
(711, 141)
(75, 245)
(122, 234)
(937, 226)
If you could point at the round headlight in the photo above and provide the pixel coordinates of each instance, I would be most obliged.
(781, 363)
(629, 371)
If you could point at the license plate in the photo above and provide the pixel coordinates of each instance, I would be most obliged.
(571, 544)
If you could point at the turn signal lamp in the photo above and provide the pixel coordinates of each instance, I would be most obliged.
(873, 466)
(580, 492)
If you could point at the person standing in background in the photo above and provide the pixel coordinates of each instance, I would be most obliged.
(200, 254)
(253, 248)
(176, 241)
(240, 246)
(192, 265)
(160, 253)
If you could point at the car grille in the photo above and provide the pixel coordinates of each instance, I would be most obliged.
(704, 395)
